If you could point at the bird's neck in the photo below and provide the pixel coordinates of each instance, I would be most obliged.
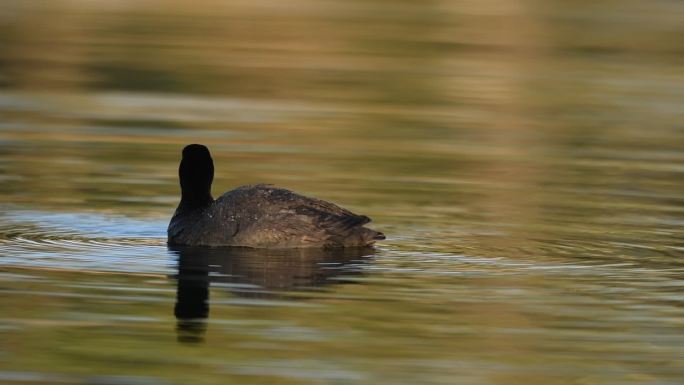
(195, 199)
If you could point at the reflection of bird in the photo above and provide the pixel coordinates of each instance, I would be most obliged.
(260, 216)
(251, 273)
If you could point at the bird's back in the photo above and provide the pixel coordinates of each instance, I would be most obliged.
(265, 216)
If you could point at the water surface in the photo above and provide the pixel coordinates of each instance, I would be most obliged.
(524, 159)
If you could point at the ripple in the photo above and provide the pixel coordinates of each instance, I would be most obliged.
(90, 225)
(83, 241)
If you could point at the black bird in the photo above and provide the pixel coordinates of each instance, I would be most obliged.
(259, 216)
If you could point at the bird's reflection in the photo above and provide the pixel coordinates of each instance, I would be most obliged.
(252, 273)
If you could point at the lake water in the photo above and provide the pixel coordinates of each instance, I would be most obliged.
(525, 160)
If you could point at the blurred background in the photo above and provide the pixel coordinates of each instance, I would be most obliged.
(525, 159)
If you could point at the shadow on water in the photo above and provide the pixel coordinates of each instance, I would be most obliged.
(252, 273)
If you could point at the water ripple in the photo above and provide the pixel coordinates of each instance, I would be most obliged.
(83, 241)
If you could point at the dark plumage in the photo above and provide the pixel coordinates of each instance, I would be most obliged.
(261, 216)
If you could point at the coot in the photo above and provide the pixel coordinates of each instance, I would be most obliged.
(259, 216)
